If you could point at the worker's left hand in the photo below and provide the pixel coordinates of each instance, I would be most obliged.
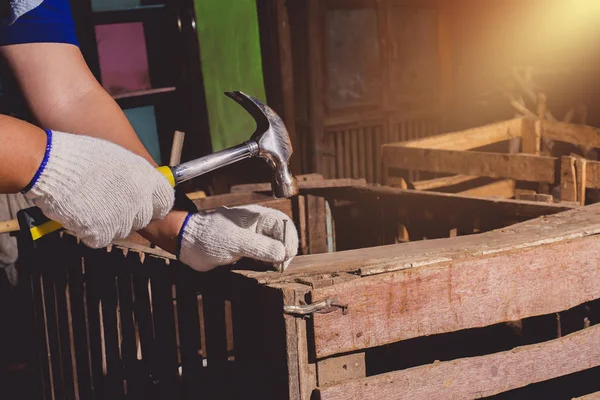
(227, 235)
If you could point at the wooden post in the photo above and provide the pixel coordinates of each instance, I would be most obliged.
(568, 177)
(581, 177)
(315, 35)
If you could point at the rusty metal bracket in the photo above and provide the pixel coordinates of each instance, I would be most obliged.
(321, 307)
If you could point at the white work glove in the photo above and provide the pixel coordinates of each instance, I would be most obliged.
(97, 189)
(208, 240)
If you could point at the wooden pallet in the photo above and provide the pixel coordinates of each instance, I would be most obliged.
(460, 155)
(133, 322)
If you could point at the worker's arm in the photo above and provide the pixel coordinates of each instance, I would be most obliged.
(63, 94)
(93, 187)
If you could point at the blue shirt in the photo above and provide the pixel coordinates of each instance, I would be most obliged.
(51, 21)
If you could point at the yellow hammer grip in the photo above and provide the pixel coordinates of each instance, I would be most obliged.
(168, 173)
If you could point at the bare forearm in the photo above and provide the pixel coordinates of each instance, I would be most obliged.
(64, 95)
(22, 148)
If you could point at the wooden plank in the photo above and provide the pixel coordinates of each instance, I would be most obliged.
(468, 139)
(236, 198)
(317, 229)
(478, 377)
(464, 293)
(504, 188)
(523, 167)
(442, 182)
(591, 396)
(266, 187)
(530, 143)
(378, 158)
(592, 173)
(578, 222)
(582, 135)
(340, 369)
(568, 179)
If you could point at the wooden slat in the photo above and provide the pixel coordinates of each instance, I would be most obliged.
(504, 188)
(530, 142)
(378, 160)
(355, 160)
(347, 154)
(468, 139)
(242, 195)
(464, 293)
(362, 159)
(481, 376)
(339, 155)
(442, 182)
(266, 187)
(370, 155)
(575, 134)
(339, 369)
(592, 178)
(568, 178)
(522, 167)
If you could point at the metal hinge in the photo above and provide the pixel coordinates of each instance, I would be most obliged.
(321, 307)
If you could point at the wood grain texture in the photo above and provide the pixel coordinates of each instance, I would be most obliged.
(504, 188)
(467, 139)
(578, 222)
(481, 376)
(592, 178)
(464, 293)
(524, 167)
(575, 134)
(266, 187)
(339, 369)
(568, 178)
(442, 182)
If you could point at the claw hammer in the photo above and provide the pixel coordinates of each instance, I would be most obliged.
(269, 141)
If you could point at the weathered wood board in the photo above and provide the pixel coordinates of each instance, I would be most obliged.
(478, 377)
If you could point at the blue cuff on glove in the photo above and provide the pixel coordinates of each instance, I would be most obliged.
(42, 166)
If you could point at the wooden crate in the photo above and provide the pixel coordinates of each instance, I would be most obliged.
(463, 156)
(465, 317)
(132, 322)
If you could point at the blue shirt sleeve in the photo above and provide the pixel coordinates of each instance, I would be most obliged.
(50, 22)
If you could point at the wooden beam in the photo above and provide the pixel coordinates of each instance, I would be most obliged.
(481, 376)
(581, 171)
(461, 294)
(316, 110)
(467, 139)
(321, 183)
(523, 167)
(442, 182)
(504, 188)
(575, 134)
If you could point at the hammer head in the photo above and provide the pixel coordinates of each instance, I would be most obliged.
(273, 142)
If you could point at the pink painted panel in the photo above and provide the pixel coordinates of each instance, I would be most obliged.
(123, 58)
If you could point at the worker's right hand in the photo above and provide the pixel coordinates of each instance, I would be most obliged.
(97, 189)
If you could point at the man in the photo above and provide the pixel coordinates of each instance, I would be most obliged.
(88, 170)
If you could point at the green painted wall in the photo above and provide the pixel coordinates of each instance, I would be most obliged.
(231, 60)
